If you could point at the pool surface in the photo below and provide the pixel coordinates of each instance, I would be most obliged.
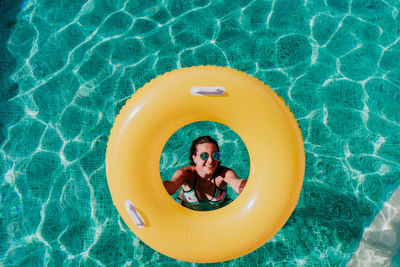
(71, 65)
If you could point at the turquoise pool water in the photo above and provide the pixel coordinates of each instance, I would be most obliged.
(334, 62)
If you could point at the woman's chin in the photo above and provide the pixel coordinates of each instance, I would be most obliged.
(209, 170)
(206, 171)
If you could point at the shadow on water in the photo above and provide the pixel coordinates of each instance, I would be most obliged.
(9, 10)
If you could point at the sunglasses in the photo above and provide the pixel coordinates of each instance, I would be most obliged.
(214, 156)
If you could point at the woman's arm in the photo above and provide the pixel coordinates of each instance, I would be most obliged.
(177, 180)
(234, 181)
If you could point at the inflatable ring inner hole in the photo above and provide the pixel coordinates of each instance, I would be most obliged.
(176, 152)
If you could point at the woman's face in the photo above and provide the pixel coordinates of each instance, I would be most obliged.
(208, 166)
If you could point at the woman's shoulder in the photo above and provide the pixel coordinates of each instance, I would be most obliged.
(222, 170)
(220, 176)
(187, 172)
(187, 169)
(188, 176)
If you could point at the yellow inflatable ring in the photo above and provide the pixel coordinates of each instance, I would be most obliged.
(222, 95)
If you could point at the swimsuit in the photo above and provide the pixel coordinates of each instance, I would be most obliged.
(190, 199)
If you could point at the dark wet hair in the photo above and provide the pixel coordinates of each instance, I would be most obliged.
(198, 141)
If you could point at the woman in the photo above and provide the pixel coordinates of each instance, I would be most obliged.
(203, 183)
